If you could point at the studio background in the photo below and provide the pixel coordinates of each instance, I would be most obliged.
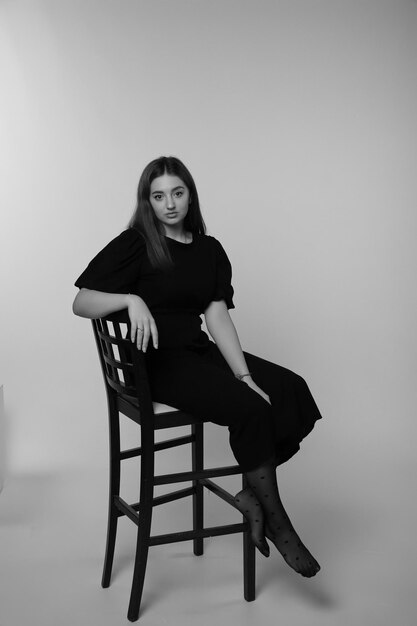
(297, 121)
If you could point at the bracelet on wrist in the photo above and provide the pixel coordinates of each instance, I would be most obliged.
(240, 376)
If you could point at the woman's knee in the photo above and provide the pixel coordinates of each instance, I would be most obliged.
(256, 408)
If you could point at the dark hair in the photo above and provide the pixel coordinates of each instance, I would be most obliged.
(144, 218)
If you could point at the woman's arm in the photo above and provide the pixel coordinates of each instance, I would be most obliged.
(94, 304)
(221, 328)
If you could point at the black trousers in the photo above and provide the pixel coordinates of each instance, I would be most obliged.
(201, 382)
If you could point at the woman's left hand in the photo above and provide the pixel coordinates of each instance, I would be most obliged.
(251, 383)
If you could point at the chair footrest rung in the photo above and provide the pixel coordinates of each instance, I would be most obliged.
(188, 535)
(167, 497)
(158, 446)
(219, 491)
(165, 479)
(126, 509)
(134, 509)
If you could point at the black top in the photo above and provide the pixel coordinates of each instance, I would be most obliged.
(176, 297)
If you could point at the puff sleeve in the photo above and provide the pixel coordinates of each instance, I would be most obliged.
(224, 289)
(117, 267)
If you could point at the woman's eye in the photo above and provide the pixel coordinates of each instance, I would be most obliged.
(179, 194)
(157, 196)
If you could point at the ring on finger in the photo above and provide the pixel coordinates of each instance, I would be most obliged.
(139, 330)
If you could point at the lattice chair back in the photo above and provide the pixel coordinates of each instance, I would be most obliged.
(122, 364)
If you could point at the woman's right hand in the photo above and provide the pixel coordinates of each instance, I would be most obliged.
(142, 323)
(251, 383)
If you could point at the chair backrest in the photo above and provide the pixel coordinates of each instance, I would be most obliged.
(123, 365)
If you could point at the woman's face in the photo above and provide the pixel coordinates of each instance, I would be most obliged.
(170, 199)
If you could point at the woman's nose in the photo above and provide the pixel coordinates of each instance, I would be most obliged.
(170, 202)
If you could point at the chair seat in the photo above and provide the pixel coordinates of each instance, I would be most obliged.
(158, 407)
(165, 416)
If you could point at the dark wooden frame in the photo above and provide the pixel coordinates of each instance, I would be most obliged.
(128, 393)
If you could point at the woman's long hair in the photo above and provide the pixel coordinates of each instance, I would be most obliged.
(144, 218)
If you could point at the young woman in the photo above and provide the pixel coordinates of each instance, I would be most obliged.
(167, 272)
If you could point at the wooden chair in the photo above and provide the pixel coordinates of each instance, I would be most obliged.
(127, 388)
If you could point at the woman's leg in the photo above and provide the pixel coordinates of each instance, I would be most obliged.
(294, 410)
(294, 414)
(205, 386)
(263, 494)
(199, 386)
(250, 507)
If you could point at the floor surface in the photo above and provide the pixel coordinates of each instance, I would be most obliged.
(52, 530)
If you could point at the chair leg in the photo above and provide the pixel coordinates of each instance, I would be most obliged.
(144, 529)
(249, 561)
(114, 490)
(111, 540)
(198, 495)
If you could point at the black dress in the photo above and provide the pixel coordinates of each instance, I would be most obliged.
(187, 370)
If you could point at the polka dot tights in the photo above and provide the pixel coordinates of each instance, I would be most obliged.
(261, 504)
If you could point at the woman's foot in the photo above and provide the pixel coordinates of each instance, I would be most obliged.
(250, 508)
(278, 527)
(289, 544)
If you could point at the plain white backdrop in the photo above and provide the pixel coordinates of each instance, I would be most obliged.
(297, 120)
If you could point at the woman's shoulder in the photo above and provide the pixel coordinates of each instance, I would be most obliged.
(129, 244)
(210, 240)
(131, 234)
(129, 239)
(214, 244)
